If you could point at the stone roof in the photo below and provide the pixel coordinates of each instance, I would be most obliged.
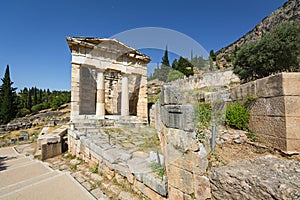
(93, 43)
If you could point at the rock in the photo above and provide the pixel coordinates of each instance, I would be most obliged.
(265, 177)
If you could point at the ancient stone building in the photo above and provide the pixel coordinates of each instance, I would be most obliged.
(108, 78)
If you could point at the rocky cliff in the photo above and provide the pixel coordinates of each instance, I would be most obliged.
(290, 11)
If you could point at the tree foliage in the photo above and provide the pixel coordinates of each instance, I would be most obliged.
(174, 75)
(8, 108)
(165, 58)
(27, 100)
(184, 66)
(276, 51)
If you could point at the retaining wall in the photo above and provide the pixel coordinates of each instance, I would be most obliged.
(275, 114)
(185, 158)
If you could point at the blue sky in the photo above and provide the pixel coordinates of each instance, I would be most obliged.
(33, 32)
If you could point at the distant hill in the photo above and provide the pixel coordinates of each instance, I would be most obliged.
(290, 11)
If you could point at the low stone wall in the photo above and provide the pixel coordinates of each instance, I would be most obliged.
(185, 158)
(275, 114)
(126, 166)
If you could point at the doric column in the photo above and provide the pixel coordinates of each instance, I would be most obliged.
(125, 96)
(100, 104)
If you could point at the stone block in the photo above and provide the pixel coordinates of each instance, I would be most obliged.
(202, 187)
(122, 169)
(157, 184)
(268, 126)
(291, 83)
(292, 106)
(115, 156)
(270, 86)
(139, 167)
(170, 95)
(139, 186)
(175, 194)
(273, 106)
(180, 178)
(178, 117)
(292, 146)
(274, 141)
(292, 128)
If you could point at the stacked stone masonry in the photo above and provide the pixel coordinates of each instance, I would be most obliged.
(185, 158)
(127, 166)
(275, 112)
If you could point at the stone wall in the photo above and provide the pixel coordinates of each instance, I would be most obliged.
(185, 158)
(208, 79)
(275, 114)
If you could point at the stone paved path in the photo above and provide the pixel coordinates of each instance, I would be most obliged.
(21, 177)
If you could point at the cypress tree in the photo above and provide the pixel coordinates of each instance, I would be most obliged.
(165, 58)
(8, 107)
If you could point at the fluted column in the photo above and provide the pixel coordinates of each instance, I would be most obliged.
(125, 96)
(100, 104)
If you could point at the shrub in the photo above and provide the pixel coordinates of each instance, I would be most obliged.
(202, 115)
(174, 75)
(23, 112)
(237, 116)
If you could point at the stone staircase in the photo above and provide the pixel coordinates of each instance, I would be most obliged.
(94, 125)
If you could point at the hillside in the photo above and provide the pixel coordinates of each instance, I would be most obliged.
(290, 11)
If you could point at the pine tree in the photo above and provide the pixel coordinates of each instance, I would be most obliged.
(8, 108)
(165, 59)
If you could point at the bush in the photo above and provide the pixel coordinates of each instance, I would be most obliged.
(23, 112)
(237, 116)
(174, 75)
(202, 115)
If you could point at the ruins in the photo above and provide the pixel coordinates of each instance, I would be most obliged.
(108, 78)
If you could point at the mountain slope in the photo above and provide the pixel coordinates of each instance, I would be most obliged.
(290, 11)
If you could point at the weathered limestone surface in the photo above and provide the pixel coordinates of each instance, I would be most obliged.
(267, 178)
(185, 158)
(275, 114)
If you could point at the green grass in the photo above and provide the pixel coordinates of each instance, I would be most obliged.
(158, 169)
